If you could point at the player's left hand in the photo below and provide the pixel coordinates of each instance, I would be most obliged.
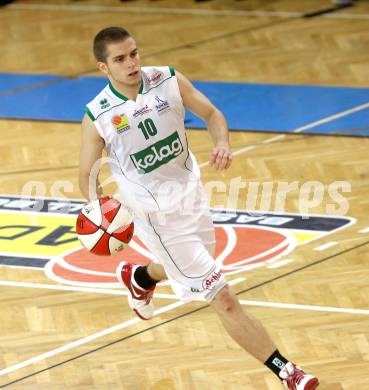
(221, 157)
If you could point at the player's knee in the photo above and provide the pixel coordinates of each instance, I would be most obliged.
(225, 300)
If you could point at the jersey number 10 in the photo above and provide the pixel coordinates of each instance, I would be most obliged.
(148, 128)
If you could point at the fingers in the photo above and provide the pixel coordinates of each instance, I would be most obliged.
(220, 159)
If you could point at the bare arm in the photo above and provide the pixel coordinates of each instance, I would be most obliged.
(200, 105)
(92, 146)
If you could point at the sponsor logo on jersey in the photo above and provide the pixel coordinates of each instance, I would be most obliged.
(157, 154)
(104, 103)
(121, 123)
(162, 106)
(154, 78)
(142, 111)
(39, 233)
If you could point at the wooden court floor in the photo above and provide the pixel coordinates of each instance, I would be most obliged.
(316, 306)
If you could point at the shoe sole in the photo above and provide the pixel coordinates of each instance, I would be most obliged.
(146, 319)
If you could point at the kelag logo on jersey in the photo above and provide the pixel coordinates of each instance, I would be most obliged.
(157, 154)
(40, 233)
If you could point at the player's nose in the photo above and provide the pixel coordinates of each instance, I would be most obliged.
(131, 63)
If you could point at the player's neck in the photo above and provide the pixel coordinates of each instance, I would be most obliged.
(129, 91)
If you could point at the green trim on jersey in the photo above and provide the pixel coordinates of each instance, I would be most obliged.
(89, 113)
(101, 113)
(141, 86)
(116, 93)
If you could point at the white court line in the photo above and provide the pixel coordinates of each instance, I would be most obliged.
(22, 267)
(332, 118)
(277, 138)
(77, 289)
(326, 246)
(176, 11)
(304, 307)
(85, 340)
(365, 230)
(278, 264)
(243, 150)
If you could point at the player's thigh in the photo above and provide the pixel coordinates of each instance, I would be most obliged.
(206, 232)
(184, 248)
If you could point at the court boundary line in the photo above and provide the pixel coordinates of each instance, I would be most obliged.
(94, 336)
(280, 305)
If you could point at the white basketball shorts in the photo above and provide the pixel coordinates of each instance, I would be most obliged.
(184, 243)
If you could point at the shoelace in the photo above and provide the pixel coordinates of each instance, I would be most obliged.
(149, 296)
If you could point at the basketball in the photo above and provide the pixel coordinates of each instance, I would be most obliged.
(104, 226)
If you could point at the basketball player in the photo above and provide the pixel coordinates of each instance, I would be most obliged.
(139, 119)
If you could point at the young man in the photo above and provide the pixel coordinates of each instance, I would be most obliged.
(139, 119)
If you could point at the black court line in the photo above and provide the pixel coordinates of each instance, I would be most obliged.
(186, 314)
(347, 133)
(327, 11)
(188, 45)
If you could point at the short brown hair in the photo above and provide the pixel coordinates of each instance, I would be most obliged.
(106, 36)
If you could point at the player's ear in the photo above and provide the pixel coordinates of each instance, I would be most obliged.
(102, 67)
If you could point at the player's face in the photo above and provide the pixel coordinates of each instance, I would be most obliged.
(123, 62)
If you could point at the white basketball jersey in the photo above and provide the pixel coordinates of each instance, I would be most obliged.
(146, 141)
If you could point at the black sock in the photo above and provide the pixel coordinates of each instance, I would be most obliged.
(143, 279)
(276, 362)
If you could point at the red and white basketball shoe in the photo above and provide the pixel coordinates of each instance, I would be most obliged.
(139, 299)
(294, 378)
